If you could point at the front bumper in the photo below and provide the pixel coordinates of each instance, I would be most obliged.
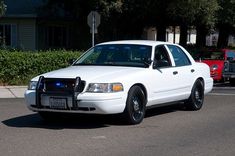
(229, 75)
(90, 103)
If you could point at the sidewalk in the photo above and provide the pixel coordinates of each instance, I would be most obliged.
(12, 91)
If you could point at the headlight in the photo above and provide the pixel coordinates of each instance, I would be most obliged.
(104, 87)
(214, 67)
(32, 85)
(226, 66)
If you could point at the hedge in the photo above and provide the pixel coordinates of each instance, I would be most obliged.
(17, 68)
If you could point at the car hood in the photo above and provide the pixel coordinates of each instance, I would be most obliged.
(212, 62)
(219, 63)
(92, 73)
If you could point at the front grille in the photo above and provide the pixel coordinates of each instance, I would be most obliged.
(232, 67)
(57, 85)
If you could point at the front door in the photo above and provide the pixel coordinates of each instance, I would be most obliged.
(172, 73)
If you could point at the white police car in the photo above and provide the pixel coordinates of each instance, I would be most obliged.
(122, 77)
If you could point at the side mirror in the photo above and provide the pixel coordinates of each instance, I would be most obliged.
(160, 63)
(155, 64)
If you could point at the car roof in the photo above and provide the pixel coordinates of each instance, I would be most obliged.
(142, 42)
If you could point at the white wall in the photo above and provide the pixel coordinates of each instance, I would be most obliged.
(151, 34)
(212, 39)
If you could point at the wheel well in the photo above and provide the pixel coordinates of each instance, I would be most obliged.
(144, 90)
(202, 80)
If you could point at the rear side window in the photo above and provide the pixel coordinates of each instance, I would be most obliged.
(180, 58)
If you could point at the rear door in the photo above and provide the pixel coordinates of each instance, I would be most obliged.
(185, 72)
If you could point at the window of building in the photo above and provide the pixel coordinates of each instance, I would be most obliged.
(5, 35)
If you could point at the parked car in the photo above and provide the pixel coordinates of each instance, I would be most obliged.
(122, 77)
(215, 60)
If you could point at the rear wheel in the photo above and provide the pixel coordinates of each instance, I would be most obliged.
(196, 98)
(135, 106)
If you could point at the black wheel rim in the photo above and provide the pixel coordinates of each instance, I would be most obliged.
(198, 95)
(137, 108)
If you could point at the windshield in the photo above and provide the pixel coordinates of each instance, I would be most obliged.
(212, 55)
(231, 55)
(117, 55)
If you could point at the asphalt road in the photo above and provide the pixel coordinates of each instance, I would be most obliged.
(167, 131)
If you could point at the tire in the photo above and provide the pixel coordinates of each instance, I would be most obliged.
(135, 106)
(196, 99)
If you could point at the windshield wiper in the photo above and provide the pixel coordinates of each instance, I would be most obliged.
(97, 64)
(78, 64)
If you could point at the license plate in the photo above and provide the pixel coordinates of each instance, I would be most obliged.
(58, 103)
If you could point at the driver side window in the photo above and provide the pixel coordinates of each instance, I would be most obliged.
(161, 58)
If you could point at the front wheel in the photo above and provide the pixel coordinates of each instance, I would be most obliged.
(135, 106)
(196, 98)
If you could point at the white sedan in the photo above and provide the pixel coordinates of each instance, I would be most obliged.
(122, 77)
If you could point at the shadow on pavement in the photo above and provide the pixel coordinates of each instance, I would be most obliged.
(80, 121)
(164, 110)
(70, 122)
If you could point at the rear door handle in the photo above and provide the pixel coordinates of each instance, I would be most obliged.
(175, 72)
(192, 70)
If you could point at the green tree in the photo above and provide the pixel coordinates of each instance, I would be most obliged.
(205, 19)
(226, 20)
(78, 10)
(2, 8)
(158, 14)
(135, 15)
(200, 13)
(130, 19)
(126, 19)
(182, 13)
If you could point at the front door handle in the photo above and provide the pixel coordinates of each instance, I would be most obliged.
(192, 70)
(175, 72)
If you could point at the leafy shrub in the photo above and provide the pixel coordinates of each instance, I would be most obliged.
(17, 68)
